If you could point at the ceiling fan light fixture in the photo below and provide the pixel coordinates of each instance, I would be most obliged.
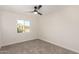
(35, 12)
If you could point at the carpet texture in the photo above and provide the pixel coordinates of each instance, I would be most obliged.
(34, 47)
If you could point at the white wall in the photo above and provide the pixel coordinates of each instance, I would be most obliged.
(10, 35)
(61, 27)
(0, 31)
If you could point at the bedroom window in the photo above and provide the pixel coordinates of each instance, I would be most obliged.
(23, 26)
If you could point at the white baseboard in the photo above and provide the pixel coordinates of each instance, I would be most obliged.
(61, 45)
(15, 42)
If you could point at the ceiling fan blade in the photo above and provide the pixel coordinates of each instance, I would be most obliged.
(39, 6)
(40, 13)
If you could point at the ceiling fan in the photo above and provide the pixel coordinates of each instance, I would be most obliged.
(36, 10)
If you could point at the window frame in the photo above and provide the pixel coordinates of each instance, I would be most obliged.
(24, 30)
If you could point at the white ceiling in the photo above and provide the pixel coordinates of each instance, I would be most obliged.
(25, 8)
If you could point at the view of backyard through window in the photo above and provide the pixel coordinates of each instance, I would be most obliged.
(23, 26)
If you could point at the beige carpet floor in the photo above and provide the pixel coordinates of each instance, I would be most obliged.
(34, 47)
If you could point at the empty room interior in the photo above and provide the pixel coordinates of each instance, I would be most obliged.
(39, 29)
